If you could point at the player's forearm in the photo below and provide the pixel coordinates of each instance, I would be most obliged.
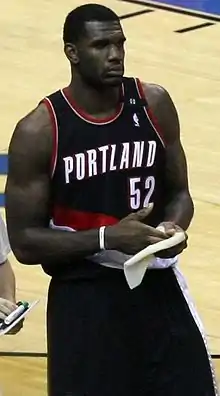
(7, 282)
(42, 245)
(180, 210)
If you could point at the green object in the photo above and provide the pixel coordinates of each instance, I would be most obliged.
(24, 303)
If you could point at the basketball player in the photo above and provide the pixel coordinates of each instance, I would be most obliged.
(93, 170)
(7, 279)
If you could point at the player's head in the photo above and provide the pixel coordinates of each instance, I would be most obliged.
(94, 44)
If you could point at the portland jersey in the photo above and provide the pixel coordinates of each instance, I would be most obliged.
(104, 169)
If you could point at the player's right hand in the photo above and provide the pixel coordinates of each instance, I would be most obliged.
(130, 235)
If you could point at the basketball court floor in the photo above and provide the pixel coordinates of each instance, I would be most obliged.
(169, 43)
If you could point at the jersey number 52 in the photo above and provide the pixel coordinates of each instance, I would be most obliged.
(141, 191)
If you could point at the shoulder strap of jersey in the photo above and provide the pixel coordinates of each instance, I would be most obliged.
(149, 113)
(53, 102)
(57, 101)
(132, 97)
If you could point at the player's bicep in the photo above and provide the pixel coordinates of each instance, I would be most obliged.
(176, 167)
(28, 180)
(168, 120)
(27, 205)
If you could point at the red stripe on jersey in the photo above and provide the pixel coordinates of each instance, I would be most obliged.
(53, 118)
(150, 113)
(79, 220)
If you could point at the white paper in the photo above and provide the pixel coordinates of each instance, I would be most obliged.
(136, 266)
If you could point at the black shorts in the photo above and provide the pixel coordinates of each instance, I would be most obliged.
(107, 340)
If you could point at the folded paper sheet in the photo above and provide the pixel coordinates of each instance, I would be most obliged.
(136, 266)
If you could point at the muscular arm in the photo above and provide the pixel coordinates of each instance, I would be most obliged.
(179, 206)
(28, 198)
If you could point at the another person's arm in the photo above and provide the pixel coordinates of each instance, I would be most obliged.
(8, 294)
(7, 277)
(7, 282)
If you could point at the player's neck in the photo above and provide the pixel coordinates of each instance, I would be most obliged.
(92, 101)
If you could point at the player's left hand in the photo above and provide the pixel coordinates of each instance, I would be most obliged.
(170, 229)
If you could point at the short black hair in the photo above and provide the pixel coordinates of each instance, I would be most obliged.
(75, 21)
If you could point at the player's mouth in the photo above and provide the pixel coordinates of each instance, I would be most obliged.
(115, 71)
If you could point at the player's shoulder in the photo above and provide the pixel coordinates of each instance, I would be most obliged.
(164, 110)
(155, 93)
(33, 134)
(36, 121)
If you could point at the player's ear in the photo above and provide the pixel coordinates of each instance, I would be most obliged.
(71, 53)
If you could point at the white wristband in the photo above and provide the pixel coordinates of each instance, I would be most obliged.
(102, 238)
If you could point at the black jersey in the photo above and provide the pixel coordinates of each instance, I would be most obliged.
(104, 169)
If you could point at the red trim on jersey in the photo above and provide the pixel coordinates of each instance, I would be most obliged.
(150, 113)
(87, 117)
(53, 118)
(80, 220)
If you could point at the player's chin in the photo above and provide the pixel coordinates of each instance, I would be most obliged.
(113, 80)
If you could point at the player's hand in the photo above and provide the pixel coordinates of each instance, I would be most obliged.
(170, 229)
(6, 307)
(131, 235)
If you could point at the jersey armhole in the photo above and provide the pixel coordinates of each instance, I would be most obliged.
(149, 113)
(54, 125)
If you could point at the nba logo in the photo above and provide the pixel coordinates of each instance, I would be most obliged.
(136, 120)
